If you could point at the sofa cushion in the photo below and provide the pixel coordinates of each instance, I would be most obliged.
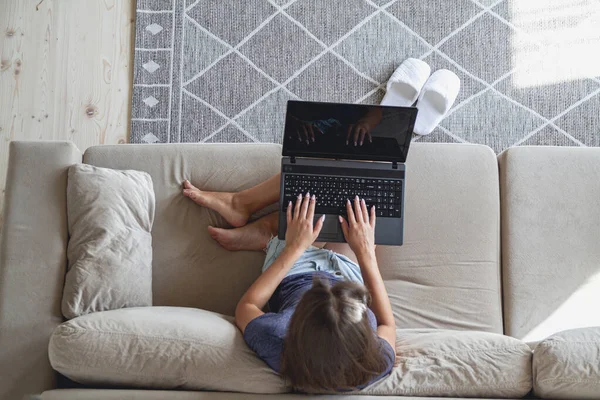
(550, 231)
(457, 363)
(185, 348)
(567, 365)
(162, 348)
(189, 268)
(131, 394)
(447, 273)
(110, 216)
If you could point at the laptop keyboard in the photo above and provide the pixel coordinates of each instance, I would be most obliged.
(333, 191)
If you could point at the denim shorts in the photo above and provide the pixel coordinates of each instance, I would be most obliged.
(315, 259)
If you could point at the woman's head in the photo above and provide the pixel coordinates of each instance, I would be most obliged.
(330, 344)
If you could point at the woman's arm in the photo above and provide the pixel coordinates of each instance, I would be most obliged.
(359, 232)
(251, 304)
(300, 234)
(380, 302)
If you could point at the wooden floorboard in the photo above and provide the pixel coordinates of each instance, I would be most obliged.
(65, 73)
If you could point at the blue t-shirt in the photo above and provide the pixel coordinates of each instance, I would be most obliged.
(265, 334)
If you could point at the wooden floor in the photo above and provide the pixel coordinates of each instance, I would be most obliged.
(65, 73)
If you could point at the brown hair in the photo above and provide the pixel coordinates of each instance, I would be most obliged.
(329, 344)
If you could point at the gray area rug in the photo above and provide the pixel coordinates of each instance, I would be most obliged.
(222, 70)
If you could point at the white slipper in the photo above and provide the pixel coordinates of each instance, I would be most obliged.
(406, 82)
(435, 100)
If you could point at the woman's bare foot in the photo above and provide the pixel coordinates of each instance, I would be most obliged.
(254, 236)
(224, 203)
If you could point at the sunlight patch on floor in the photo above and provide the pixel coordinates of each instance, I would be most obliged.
(569, 34)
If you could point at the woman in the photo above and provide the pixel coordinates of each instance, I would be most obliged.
(330, 325)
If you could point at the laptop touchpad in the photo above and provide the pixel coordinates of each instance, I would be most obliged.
(330, 225)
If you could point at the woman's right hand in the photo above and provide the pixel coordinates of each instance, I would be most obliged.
(359, 230)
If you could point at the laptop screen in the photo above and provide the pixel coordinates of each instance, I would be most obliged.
(348, 131)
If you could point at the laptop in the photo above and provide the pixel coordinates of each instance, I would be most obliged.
(338, 151)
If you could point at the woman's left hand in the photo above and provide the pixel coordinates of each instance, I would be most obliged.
(300, 233)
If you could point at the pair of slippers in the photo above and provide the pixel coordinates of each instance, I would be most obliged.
(434, 93)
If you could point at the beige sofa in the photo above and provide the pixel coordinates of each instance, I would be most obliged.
(506, 244)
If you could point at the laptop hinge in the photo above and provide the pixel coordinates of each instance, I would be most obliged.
(293, 160)
(394, 165)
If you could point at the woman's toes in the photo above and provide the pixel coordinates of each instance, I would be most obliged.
(188, 185)
(214, 232)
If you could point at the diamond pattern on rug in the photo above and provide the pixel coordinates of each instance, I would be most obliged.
(474, 47)
(437, 136)
(374, 98)
(281, 48)
(379, 62)
(548, 136)
(330, 20)
(231, 20)
(201, 50)
(503, 120)
(419, 14)
(223, 71)
(153, 30)
(583, 122)
(332, 79)
(216, 88)
(563, 94)
(229, 134)
(271, 109)
(201, 121)
(155, 102)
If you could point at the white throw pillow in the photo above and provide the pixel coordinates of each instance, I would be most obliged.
(110, 215)
(566, 365)
(444, 363)
(160, 348)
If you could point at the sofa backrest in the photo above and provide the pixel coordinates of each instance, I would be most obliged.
(550, 239)
(446, 275)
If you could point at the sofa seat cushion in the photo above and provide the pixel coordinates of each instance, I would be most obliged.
(550, 231)
(446, 275)
(567, 365)
(442, 363)
(191, 349)
(160, 348)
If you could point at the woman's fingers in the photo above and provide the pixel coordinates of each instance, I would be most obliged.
(298, 205)
(350, 213)
(363, 210)
(372, 219)
(311, 133)
(289, 213)
(318, 226)
(311, 208)
(344, 227)
(305, 132)
(304, 209)
(349, 133)
(357, 134)
(357, 211)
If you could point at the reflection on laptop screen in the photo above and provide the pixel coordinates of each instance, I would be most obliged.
(348, 131)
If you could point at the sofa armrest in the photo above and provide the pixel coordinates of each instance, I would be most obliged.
(32, 263)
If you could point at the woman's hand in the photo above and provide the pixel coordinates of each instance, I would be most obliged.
(300, 233)
(358, 132)
(359, 230)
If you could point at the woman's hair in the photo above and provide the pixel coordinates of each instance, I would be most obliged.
(330, 344)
